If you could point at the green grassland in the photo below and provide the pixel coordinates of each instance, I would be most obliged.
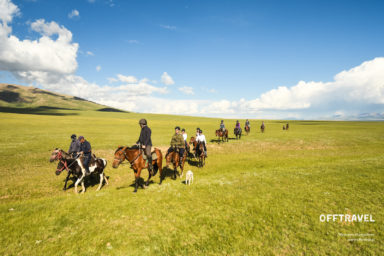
(261, 195)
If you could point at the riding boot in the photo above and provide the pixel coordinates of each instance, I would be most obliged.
(87, 172)
(150, 166)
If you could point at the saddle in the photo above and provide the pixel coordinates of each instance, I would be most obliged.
(154, 156)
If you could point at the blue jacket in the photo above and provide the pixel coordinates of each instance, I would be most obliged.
(74, 147)
(85, 147)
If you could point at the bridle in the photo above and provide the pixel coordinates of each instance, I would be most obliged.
(126, 157)
(59, 157)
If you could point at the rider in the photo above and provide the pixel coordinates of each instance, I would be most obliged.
(146, 142)
(74, 148)
(86, 150)
(185, 137)
(238, 124)
(222, 126)
(177, 142)
(201, 139)
(197, 132)
(247, 124)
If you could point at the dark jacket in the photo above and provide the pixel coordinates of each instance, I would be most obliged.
(74, 147)
(85, 147)
(145, 136)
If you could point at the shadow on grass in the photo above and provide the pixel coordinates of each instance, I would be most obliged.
(42, 110)
(90, 181)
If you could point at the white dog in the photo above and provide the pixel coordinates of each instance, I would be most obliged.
(189, 177)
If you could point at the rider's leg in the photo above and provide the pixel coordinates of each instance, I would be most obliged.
(149, 157)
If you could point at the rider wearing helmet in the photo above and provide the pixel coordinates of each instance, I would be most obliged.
(145, 142)
(74, 148)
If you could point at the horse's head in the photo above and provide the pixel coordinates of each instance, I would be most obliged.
(217, 132)
(119, 156)
(60, 168)
(192, 140)
(55, 155)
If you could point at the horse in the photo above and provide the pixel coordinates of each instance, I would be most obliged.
(237, 132)
(174, 158)
(223, 135)
(287, 127)
(59, 154)
(284, 127)
(262, 127)
(247, 129)
(135, 157)
(198, 148)
(75, 167)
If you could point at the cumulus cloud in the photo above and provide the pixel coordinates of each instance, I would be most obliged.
(187, 90)
(167, 79)
(45, 54)
(127, 79)
(74, 13)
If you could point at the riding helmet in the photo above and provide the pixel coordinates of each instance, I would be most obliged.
(183, 130)
(177, 128)
(73, 136)
(143, 121)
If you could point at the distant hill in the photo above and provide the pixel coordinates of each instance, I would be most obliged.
(20, 99)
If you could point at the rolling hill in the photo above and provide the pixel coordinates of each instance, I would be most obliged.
(25, 99)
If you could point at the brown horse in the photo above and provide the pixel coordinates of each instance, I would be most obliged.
(174, 158)
(247, 129)
(198, 149)
(222, 135)
(135, 158)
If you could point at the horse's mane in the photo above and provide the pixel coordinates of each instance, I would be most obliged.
(134, 147)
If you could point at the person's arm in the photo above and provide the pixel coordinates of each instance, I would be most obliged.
(147, 136)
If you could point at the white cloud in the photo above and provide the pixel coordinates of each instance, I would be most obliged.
(45, 54)
(127, 79)
(186, 90)
(168, 27)
(89, 53)
(7, 11)
(74, 13)
(167, 79)
(98, 68)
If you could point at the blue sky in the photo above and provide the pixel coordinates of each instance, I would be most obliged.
(224, 53)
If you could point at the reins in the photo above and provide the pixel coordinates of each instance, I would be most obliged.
(126, 157)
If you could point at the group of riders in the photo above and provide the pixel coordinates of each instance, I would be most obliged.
(179, 143)
(238, 126)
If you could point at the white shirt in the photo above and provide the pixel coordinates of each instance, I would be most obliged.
(185, 136)
(201, 138)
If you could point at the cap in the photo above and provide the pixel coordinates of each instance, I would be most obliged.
(177, 128)
(81, 137)
(73, 136)
(143, 121)
(183, 130)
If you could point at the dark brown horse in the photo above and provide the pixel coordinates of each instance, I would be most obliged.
(222, 135)
(247, 129)
(237, 132)
(262, 127)
(174, 158)
(135, 158)
(198, 149)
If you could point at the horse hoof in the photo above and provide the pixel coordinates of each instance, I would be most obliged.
(134, 191)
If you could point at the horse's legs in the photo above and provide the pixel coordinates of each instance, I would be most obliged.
(105, 178)
(101, 181)
(136, 183)
(149, 177)
(66, 180)
(82, 185)
(77, 182)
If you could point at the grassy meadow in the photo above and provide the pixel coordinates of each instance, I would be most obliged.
(261, 195)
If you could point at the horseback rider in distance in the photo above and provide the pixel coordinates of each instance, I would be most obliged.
(247, 123)
(222, 126)
(145, 143)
